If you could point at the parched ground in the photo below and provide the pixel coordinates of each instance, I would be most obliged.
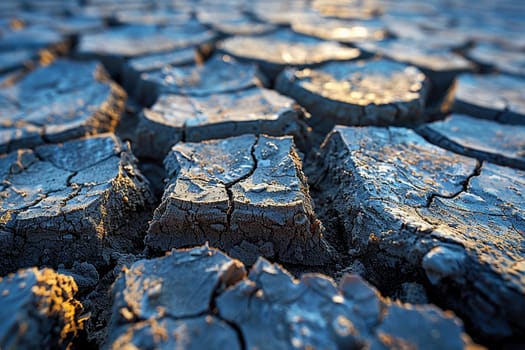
(302, 174)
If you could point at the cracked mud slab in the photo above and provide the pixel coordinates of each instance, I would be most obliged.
(89, 200)
(441, 66)
(38, 310)
(496, 96)
(200, 295)
(161, 17)
(30, 37)
(280, 13)
(431, 30)
(59, 102)
(166, 302)
(114, 45)
(76, 25)
(284, 48)
(343, 31)
(16, 59)
(491, 56)
(232, 22)
(254, 111)
(375, 92)
(217, 75)
(246, 195)
(482, 139)
(348, 9)
(135, 67)
(410, 207)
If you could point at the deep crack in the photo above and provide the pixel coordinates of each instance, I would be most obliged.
(228, 186)
(464, 186)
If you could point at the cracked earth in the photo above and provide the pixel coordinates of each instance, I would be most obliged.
(300, 174)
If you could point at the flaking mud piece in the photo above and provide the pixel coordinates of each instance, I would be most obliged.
(343, 31)
(482, 139)
(114, 45)
(165, 303)
(377, 92)
(275, 311)
(408, 206)
(254, 111)
(58, 102)
(496, 96)
(218, 74)
(38, 310)
(284, 48)
(246, 195)
(88, 202)
(135, 67)
(440, 65)
(494, 57)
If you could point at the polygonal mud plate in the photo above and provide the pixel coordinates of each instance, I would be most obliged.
(413, 208)
(491, 56)
(434, 32)
(278, 12)
(158, 17)
(16, 59)
(348, 9)
(482, 139)
(376, 92)
(76, 201)
(253, 111)
(440, 65)
(31, 37)
(284, 48)
(135, 67)
(339, 30)
(114, 45)
(246, 195)
(218, 74)
(497, 96)
(37, 310)
(232, 22)
(74, 26)
(59, 102)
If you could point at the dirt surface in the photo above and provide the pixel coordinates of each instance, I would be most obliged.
(265, 174)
